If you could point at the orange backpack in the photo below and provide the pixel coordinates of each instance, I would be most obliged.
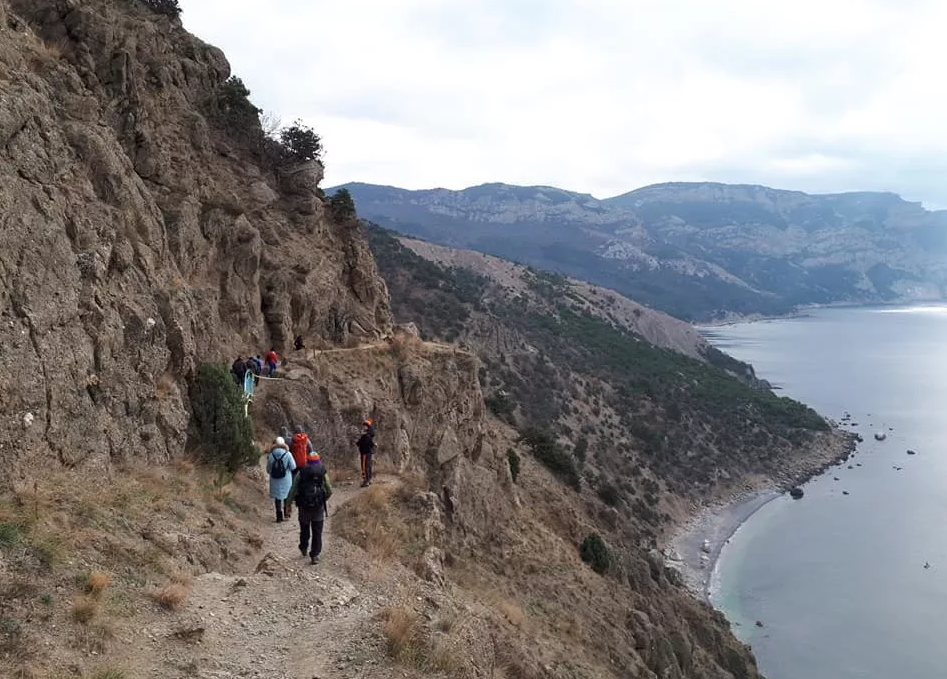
(300, 447)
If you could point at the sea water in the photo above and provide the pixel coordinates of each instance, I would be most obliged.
(838, 581)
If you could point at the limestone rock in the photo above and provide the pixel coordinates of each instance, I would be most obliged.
(141, 236)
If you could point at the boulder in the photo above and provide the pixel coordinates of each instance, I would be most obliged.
(796, 493)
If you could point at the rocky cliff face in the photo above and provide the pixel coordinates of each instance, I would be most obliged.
(141, 236)
(697, 251)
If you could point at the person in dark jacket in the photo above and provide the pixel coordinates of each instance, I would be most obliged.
(366, 448)
(255, 366)
(298, 343)
(239, 371)
(311, 490)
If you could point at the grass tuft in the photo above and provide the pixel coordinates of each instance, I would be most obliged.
(84, 609)
(97, 583)
(170, 597)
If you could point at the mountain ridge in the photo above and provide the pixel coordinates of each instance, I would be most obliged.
(698, 250)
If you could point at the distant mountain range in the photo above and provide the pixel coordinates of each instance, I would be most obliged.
(699, 251)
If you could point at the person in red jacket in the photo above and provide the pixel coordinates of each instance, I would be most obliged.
(300, 447)
(272, 360)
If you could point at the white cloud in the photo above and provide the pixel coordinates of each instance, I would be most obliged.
(603, 96)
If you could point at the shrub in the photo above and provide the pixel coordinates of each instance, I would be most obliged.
(169, 8)
(581, 449)
(502, 406)
(302, 144)
(514, 461)
(234, 101)
(556, 459)
(609, 494)
(342, 206)
(10, 534)
(221, 432)
(595, 553)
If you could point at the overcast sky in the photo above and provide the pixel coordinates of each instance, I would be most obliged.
(603, 96)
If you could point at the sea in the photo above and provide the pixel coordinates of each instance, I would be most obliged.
(850, 582)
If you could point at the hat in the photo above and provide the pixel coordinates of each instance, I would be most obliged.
(299, 429)
(313, 458)
(280, 441)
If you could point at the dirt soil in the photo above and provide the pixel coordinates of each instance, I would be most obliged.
(277, 617)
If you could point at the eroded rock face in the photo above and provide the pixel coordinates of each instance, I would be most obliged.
(429, 415)
(139, 238)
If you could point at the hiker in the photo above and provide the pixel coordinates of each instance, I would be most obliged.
(311, 490)
(298, 343)
(272, 360)
(366, 448)
(255, 365)
(300, 447)
(279, 467)
(239, 371)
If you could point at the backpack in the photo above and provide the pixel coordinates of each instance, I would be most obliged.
(278, 468)
(312, 492)
(300, 447)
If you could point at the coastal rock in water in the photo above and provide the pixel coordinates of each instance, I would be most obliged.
(880, 436)
(844, 492)
(912, 452)
(796, 493)
(759, 624)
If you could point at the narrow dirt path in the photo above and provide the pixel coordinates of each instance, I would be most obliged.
(282, 619)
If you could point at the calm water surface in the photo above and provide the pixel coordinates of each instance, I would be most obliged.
(839, 580)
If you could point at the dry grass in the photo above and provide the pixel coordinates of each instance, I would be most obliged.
(84, 609)
(97, 582)
(165, 385)
(94, 636)
(373, 522)
(404, 635)
(170, 597)
(52, 49)
(512, 612)
(403, 344)
(409, 642)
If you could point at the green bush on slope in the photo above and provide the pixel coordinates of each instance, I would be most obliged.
(220, 431)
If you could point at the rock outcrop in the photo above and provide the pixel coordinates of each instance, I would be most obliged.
(141, 234)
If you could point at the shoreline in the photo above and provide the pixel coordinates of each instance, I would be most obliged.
(803, 312)
(694, 548)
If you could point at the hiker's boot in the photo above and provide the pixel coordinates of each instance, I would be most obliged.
(302, 550)
(313, 560)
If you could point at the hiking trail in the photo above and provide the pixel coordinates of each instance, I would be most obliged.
(279, 617)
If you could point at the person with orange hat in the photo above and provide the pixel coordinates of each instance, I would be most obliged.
(366, 448)
(311, 490)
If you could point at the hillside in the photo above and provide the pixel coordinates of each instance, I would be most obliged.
(559, 357)
(152, 232)
(698, 251)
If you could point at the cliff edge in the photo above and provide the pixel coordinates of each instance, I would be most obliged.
(143, 232)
